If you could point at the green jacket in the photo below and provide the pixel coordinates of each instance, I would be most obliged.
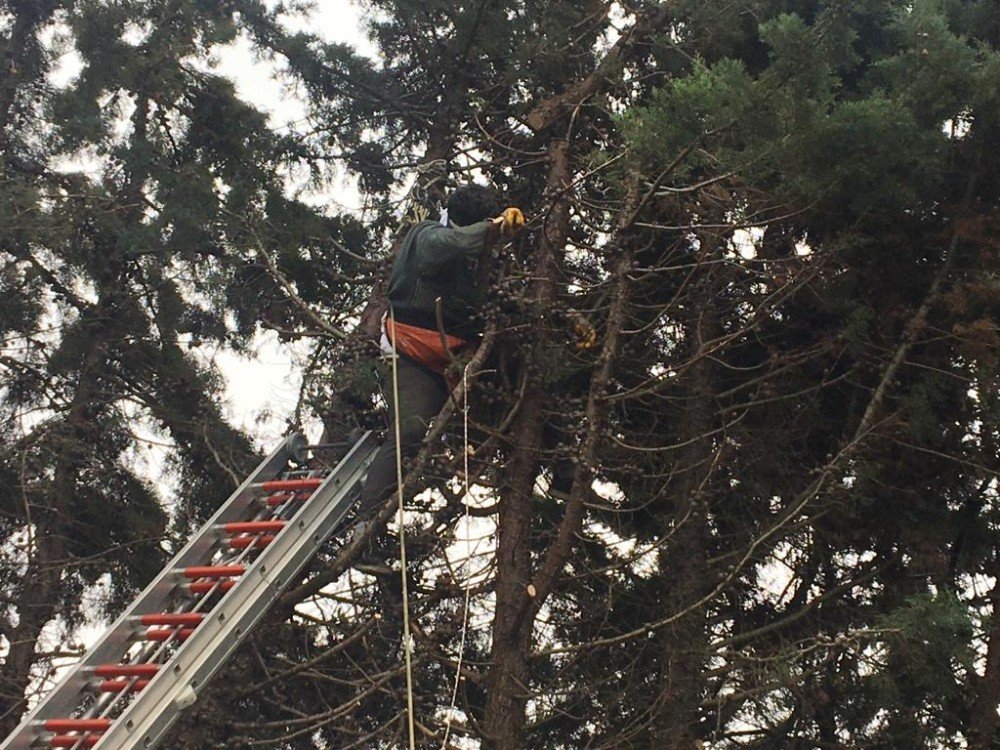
(440, 262)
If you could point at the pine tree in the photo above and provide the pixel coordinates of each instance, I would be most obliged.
(764, 211)
(142, 205)
(753, 319)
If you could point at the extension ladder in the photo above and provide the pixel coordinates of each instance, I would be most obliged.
(150, 665)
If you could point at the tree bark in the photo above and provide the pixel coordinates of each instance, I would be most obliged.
(509, 671)
(983, 720)
(684, 564)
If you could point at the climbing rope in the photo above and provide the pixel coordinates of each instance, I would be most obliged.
(407, 645)
(468, 583)
(418, 200)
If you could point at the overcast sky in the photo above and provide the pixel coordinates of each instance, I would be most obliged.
(263, 389)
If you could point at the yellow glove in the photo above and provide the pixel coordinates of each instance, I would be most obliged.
(510, 220)
(586, 334)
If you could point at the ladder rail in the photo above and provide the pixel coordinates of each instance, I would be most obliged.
(150, 653)
(146, 720)
(105, 703)
(63, 699)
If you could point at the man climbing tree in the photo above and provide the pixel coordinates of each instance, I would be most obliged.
(435, 294)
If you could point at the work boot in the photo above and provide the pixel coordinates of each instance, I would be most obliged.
(375, 554)
(390, 600)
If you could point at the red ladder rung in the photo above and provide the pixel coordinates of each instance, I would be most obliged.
(164, 634)
(253, 527)
(214, 571)
(242, 542)
(203, 587)
(290, 485)
(77, 725)
(117, 686)
(283, 497)
(127, 670)
(74, 740)
(173, 618)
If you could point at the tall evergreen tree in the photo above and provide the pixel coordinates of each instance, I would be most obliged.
(142, 205)
(773, 215)
(755, 312)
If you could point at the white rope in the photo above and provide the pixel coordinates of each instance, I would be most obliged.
(407, 646)
(468, 582)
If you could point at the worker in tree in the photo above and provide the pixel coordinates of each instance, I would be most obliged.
(435, 296)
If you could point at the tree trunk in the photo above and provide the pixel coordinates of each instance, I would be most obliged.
(684, 563)
(509, 672)
(983, 720)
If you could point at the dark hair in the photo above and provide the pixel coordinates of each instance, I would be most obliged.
(471, 203)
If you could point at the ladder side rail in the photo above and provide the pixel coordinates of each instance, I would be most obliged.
(64, 698)
(146, 720)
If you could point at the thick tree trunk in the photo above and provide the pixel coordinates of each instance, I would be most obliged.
(684, 563)
(683, 643)
(983, 719)
(509, 672)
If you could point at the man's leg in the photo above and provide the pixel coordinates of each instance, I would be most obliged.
(421, 396)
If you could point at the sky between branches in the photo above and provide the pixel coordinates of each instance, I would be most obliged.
(262, 390)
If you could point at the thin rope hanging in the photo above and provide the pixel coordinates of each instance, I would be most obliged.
(468, 583)
(407, 645)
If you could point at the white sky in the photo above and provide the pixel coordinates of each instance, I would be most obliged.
(262, 388)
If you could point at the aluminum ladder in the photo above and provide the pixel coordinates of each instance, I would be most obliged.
(150, 665)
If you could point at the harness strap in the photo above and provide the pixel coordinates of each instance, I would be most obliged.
(432, 349)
